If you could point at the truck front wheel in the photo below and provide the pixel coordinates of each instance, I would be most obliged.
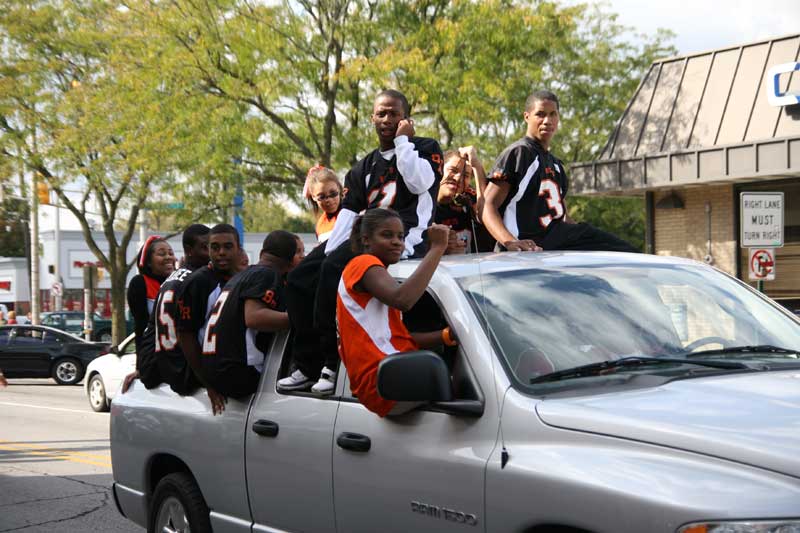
(178, 506)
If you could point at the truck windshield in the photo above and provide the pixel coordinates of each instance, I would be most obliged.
(544, 321)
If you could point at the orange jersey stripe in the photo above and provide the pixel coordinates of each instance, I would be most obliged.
(325, 226)
(369, 330)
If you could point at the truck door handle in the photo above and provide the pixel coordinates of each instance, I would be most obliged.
(266, 428)
(353, 442)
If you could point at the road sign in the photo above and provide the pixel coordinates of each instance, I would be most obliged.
(761, 220)
(762, 264)
(57, 289)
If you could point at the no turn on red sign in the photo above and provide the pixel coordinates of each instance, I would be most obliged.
(762, 264)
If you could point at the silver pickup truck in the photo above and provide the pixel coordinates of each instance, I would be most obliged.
(590, 392)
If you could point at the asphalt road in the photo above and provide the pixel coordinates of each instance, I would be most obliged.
(55, 462)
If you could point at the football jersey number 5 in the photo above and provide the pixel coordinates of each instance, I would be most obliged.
(165, 340)
(552, 195)
(210, 338)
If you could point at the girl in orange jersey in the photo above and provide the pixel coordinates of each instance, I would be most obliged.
(324, 194)
(370, 301)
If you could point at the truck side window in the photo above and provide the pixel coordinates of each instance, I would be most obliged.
(426, 315)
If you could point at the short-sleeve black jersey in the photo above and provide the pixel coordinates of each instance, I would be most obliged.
(538, 186)
(376, 182)
(460, 217)
(229, 345)
(196, 297)
(172, 365)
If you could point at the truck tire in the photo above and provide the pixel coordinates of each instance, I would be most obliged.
(98, 400)
(103, 336)
(67, 371)
(178, 505)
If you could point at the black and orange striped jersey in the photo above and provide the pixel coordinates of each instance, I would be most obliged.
(228, 344)
(538, 185)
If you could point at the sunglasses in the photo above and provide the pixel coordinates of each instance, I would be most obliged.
(330, 196)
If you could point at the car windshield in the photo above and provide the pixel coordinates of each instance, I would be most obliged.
(546, 320)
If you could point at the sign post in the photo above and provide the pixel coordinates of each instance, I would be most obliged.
(762, 216)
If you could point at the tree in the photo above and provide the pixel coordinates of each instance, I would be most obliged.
(13, 228)
(264, 214)
(306, 71)
(80, 105)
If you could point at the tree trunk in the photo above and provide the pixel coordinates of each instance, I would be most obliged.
(118, 274)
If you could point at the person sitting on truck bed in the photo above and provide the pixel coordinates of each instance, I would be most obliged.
(158, 357)
(370, 301)
(156, 262)
(251, 305)
(197, 297)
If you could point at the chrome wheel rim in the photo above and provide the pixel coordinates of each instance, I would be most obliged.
(97, 393)
(105, 337)
(67, 371)
(172, 517)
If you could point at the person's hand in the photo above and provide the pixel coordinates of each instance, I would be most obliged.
(454, 244)
(469, 153)
(218, 401)
(438, 236)
(405, 127)
(525, 245)
(128, 381)
(3, 381)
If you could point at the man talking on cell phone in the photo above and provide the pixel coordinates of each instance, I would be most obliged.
(403, 174)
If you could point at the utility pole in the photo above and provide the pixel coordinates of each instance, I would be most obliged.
(35, 249)
(57, 267)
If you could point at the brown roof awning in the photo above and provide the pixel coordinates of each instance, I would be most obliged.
(702, 118)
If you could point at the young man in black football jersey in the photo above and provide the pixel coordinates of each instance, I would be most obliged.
(458, 202)
(150, 368)
(524, 207)
(197, 296)
(403, 174)
(249, 308)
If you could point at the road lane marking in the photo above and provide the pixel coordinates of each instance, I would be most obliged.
(52, 453)
(13, 404)
(47, 449)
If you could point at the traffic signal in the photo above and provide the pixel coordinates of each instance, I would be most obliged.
(43, 192)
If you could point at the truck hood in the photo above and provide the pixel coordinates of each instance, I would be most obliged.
(748, 418)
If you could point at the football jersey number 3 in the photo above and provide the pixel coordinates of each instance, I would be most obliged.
(552, 195)
(210, 338)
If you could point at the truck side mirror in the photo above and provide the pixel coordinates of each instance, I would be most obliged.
(420, 376)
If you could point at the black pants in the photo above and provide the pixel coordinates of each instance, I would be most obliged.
(311, 302)
(177, 373)
(563, 236)
(236, 380)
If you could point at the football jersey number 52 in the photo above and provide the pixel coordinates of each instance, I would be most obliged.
(210, 338)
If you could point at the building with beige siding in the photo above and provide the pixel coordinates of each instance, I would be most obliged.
(700, 130)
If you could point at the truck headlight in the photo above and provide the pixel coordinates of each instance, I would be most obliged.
(776, 526)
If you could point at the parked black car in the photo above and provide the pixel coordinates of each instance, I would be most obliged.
(38, 352)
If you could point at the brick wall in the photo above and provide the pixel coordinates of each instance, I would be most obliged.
(683, 232)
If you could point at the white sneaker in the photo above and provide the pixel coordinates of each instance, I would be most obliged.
(297, 381)
(326, 383)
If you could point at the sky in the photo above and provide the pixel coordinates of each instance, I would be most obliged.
(701, 25)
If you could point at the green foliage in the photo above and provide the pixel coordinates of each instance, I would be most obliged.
(264, 214)
(13, 215)
(622, 216)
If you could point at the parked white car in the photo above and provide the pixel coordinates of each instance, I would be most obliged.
(104, 375)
